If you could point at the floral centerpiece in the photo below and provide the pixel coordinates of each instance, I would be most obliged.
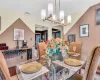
(55, 48)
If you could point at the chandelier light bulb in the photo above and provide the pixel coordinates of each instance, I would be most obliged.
(61, 15)
(50, 9)
(43, 14)
(69, 19)
(54, 17)
(62, 22)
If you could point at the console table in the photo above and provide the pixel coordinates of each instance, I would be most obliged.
(16, 56)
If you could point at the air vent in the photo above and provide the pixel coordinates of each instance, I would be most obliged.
(27, 13)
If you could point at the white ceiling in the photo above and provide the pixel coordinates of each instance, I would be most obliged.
(34, 6)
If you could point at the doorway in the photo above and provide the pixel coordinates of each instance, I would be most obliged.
(41, 34)
(56, 33)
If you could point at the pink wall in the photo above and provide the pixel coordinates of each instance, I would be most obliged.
(94, 31)
(7, 36)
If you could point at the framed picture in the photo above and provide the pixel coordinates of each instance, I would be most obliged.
(71, 38)
(84, 30)
(98, 16)
(18, 34)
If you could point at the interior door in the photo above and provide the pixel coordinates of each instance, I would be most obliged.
(37, 39)
(58, 34)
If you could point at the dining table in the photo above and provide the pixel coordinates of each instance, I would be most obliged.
(58, 70)
(38, 75)
(67, 70)
(63, 71)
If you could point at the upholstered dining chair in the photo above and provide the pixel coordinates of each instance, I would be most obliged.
(91, 66)
(77, 45)
(75, 49)
(4, 68)
(41, 50)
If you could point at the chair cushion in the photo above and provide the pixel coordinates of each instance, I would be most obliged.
(71, 53)
(76, 77)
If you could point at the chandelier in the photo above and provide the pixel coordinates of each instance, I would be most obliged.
(52, 15)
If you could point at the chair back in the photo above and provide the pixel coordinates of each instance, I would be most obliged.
(77, 45)
(92, 64)
(41, 47)
(3, 67)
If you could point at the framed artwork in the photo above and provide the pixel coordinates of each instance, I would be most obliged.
(18, 34)
(84, 30)
(71, 38)
(98, 16)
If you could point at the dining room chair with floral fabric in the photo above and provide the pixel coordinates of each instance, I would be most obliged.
(91, 66)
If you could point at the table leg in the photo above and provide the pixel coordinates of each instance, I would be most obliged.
(54, 72)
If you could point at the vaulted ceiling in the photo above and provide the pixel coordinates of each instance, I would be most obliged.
(34, 6)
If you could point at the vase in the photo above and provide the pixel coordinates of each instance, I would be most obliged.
(57, 57)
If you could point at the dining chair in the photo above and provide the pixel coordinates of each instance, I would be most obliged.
(3, 67)
(75, 49)
(91, 66)
(41, 49)
(66, 42)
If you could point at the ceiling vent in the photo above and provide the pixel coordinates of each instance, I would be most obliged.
(27, 13)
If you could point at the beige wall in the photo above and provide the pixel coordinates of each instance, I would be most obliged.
(7, 35)
(94, 31)
(75, 17)
(8, 17)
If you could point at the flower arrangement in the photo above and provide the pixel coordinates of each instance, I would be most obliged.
(56, 47)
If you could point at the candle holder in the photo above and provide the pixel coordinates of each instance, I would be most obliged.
(17, 41)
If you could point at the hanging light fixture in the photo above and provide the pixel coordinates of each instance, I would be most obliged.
(43, 14)
(52, 15)
(50, 9)
(61, 15)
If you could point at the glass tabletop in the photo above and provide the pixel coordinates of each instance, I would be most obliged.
(66, 72)
(57, 71)
(39, 75)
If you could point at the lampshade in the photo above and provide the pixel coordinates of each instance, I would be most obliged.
(43, 14)
(50, 9)
(61, 15)
(54, 17)
(69, 19)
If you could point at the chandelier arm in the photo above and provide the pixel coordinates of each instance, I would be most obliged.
(57, 22)
(49, 18)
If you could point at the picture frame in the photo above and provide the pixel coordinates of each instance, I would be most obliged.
(18, 34)
(98, 16)
(71, 38)
(84, 30)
